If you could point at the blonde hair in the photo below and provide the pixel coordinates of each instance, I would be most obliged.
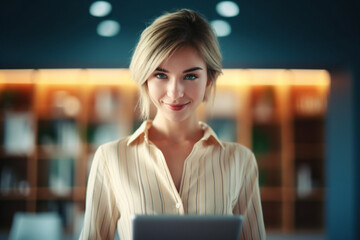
(166, 34)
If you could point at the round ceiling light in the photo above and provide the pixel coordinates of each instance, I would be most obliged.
(108, 28)
(221, 28)
(227, 9)
(100, 8)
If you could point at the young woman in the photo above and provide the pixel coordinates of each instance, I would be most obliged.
(172, 164)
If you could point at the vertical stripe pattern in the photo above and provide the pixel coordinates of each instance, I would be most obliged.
(130, 176)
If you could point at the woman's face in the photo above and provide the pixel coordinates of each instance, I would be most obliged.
(177, 87)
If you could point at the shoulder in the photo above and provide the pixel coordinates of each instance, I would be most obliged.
(237, 148)
(109, 152)
(114, 145)
(240, 153)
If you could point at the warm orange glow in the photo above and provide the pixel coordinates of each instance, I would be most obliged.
(110, 77)
(16, 76)
(259, 77)
(122, 77)
(233, 77)
(59, 76)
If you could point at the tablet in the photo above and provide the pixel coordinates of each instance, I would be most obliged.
(189, 227)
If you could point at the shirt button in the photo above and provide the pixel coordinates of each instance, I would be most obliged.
(178, 205)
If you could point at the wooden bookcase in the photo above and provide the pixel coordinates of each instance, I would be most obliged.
(52, 121)
(280, 115)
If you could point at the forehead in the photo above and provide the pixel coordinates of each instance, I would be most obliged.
(183, 57)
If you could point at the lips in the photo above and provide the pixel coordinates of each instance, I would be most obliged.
(176, 107)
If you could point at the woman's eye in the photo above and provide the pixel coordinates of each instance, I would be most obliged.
(191, 77)
(160, 75)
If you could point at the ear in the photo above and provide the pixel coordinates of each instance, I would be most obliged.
(145, 85)
(209, 84)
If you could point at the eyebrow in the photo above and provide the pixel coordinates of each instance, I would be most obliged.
(186, 71)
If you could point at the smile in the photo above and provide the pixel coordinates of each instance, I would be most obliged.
(176, 107)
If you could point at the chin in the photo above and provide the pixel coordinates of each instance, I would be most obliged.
(176, 118)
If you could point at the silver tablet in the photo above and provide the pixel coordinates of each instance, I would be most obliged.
(189, 227)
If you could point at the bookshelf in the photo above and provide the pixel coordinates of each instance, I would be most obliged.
(52, 121)
(280, 115)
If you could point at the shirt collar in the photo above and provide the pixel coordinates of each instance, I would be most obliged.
(209, 134)
(141, 131)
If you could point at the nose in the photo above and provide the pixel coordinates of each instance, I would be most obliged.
(175, 89)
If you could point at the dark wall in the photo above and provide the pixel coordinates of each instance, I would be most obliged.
(357, 142)
(342, 154)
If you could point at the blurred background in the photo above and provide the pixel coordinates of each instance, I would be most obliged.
(290, 92)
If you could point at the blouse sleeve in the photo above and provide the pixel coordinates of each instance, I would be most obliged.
(101, 213)
(249, 204)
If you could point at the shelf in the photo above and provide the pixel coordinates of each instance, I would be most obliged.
(14, 109)
(13, 194)
(313, 116)
(12, 156)
(280, 121)
(96, 120)
(53, 151)
(315, 195)
(59, 117)
(44, 193)
(274, 194)
(47, 194)
(269, 123)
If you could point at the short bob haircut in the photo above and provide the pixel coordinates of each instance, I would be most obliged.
(165, 35)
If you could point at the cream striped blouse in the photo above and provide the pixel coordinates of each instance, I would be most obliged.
(130, 176)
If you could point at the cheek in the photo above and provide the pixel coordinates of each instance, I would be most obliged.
(154, 90)
(197, 91)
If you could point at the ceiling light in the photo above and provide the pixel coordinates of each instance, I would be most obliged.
(227, 9)
(100, 8)
(221, 28)
(108, 28)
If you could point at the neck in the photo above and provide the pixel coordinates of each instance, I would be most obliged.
(164, 129)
